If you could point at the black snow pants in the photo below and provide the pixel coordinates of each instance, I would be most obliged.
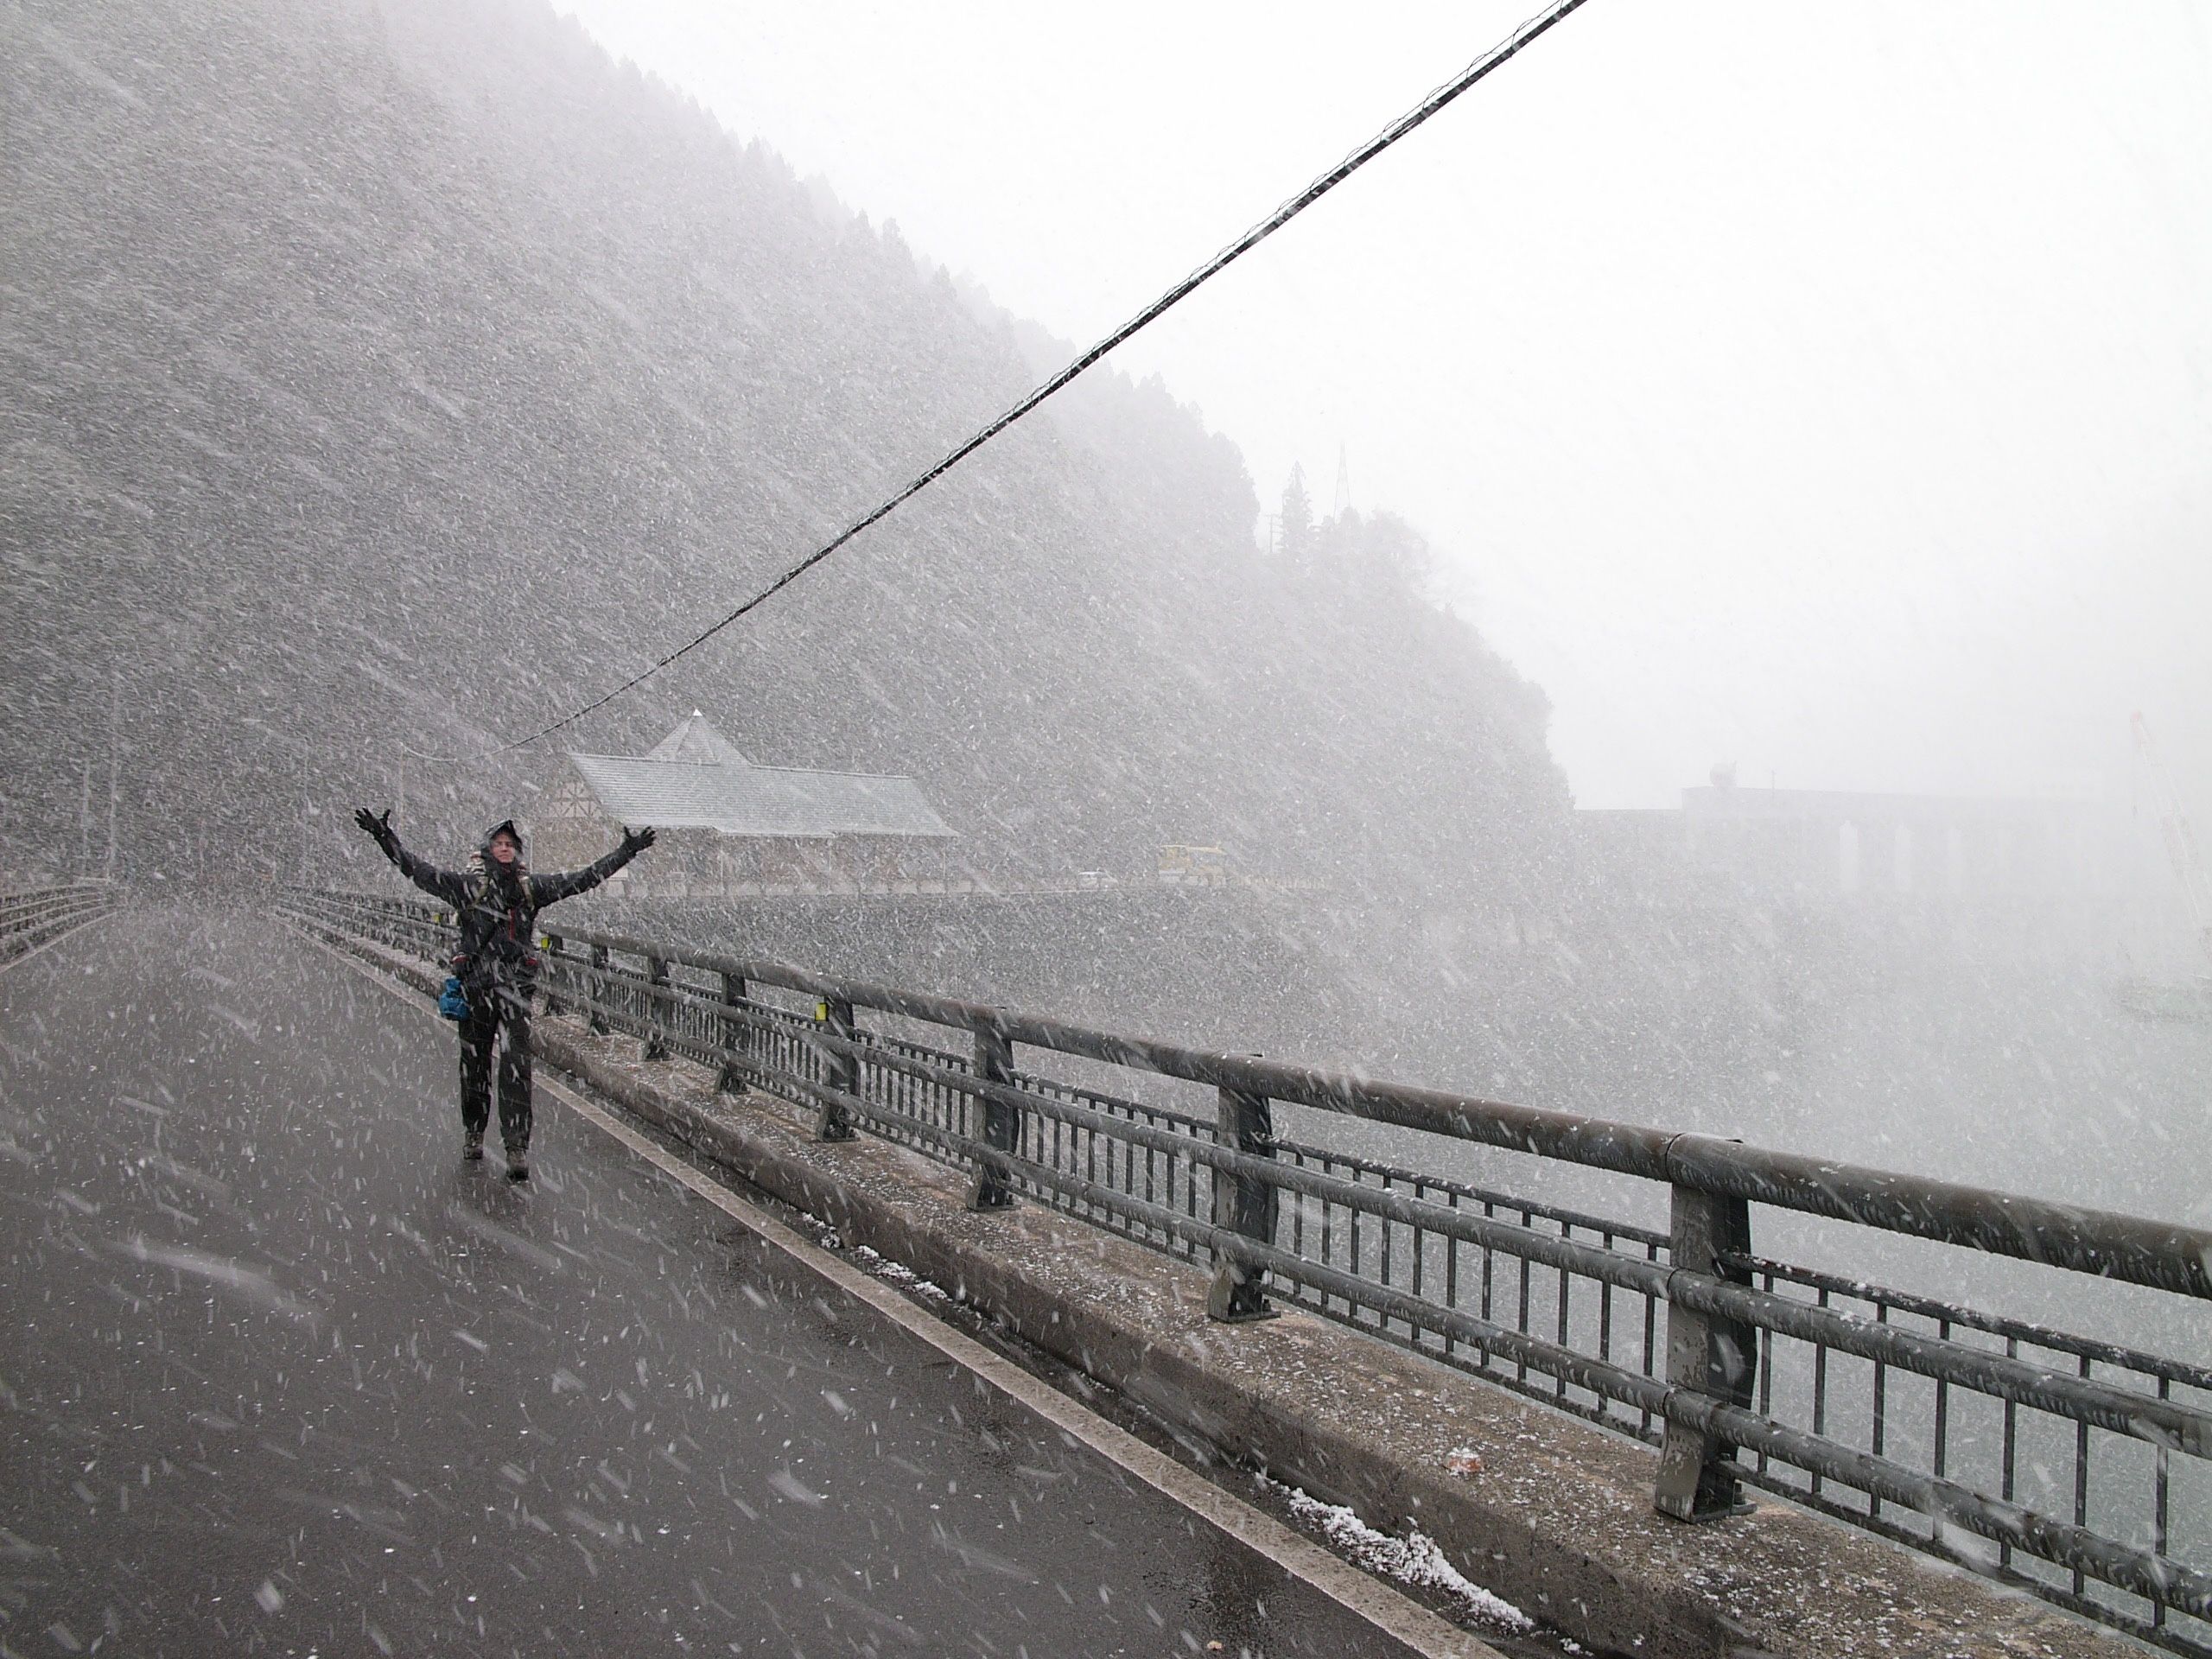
(491, 1012)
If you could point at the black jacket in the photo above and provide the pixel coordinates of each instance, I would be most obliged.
(495, 907)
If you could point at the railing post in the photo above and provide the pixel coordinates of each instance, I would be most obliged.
(727, 1079)
(656, 1007)
(1717, 1358)
(840, 1071)
(1001, 1125)
(600, 963)
(1243, 1203)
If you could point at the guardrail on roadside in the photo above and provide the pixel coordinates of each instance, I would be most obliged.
(2085, 1464)
(30, 916)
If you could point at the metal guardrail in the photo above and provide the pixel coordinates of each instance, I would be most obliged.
(2078, 1468)
(34, 916)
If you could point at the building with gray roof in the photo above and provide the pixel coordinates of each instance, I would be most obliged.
(731, 825)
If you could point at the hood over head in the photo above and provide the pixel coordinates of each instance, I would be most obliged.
(483, 855)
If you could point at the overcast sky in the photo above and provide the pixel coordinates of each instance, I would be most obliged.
(1826, 389)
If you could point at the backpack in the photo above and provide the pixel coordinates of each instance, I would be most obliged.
(453, 1000)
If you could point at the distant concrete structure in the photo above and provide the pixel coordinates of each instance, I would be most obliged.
(1775, 844)
(1842, 842)
(729, 826)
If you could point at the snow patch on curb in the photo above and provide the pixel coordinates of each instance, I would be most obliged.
(1413, 1559)
(900, 1273)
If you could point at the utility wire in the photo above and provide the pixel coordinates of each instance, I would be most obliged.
(1243, 245)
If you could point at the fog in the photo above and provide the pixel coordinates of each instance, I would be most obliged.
(1637, 604)
(1822, 390)
(333, 471)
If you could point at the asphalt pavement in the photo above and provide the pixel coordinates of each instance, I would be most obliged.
(281, 1374)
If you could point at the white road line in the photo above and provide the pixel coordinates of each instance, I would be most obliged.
(1369, 1598)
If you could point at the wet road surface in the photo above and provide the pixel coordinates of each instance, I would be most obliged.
(281, 1375)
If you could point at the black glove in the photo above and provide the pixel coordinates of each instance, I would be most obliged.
(378, 830)
(635, 841)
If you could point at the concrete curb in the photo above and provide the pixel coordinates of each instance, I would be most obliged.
(1181, 1383)
(1558, 1519)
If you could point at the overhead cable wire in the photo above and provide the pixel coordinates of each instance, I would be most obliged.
(1243, 245)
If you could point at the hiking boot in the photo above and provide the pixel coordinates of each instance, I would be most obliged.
(472, 1148)
(517, 1164)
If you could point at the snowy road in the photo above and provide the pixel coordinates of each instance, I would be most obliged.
(281, 1375)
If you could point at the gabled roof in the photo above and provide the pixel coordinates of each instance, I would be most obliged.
(695, 778)
(696, 742)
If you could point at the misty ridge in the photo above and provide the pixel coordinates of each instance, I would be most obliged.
(400, 374)
(409, 374)
(389, 378)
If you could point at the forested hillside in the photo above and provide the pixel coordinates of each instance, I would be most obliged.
(408, 373)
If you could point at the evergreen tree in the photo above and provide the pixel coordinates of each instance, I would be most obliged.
(1294, 532)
